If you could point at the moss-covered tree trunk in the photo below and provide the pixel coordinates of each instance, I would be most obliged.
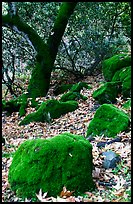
(46, 53)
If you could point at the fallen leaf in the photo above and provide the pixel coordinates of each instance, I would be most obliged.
(66, 193)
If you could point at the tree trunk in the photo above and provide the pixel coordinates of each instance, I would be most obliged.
(46, 53)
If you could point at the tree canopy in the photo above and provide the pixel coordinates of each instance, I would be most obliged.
(94, 31)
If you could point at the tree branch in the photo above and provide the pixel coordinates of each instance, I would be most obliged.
(29, 33)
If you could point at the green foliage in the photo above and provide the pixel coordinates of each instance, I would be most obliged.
(48, 110)
(94, 31)
(50, 164)
(108, 121)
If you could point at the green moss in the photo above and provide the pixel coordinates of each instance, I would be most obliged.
(124, 76)
(40, 79)
(80, 85)
(22, 100)
(50, 109)
(107, 93)
(50, 164)
(34, 104)
(72, 96)
(15, 105)
(116, 76)
(108, 120)
(62, 88)
(127, 105)
(74, 93)
(115, 63)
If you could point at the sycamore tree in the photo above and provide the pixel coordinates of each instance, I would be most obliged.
(45, 51)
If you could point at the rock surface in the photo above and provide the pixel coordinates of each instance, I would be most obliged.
(108, 120)
(50, 164)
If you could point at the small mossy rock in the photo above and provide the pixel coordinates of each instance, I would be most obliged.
(80, 85)
(10, 106)
(107, 93)
(50, 109)
(109, 121)
(115, 63)
(71, 95)
(74, 93)
(62, 88)
(50, 164)
(15, 105)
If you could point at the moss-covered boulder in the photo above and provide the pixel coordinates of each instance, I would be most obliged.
(127, 104)
(124, 76)
(115, 63)
(62, 88)
(109, 121)
(15, 105)
(50, 164)
(48, 110)
(74, 93)
(107, 93)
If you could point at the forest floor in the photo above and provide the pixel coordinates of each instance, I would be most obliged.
(75, 122)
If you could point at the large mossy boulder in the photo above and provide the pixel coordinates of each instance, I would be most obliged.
(15, 105)
(107, 93)
(48, 110)
(109, 121)
(74, 93)
(115, 63)
(50, 164)
(124, 76)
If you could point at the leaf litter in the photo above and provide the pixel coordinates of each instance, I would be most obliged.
(112, 185)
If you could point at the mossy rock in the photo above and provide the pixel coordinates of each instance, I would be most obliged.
(127, 104)
(115, 63)
(71, 95)
(62, 88)
(74, 93)
(15, 105)
(79, 86)
(34, 104)
(109, 121)
(50, 164)
(107, 93)
(48, 110)
(124, 76)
